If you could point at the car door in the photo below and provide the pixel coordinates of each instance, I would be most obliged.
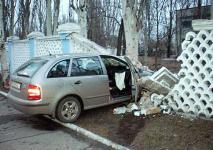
(55, 84)
(90, 81)
(135, 77)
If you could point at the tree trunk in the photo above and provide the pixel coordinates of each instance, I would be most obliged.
(55, 17)
(199, 14)
(146, 31)
(211, 9)
(40, 15)
(12, 17)
(82, 17)
(1, 22)
(169, 31)
(131, 29)
(48, 17)
(27, 16)
(3, 58)
(157, 36)
(24, 12)
(120, 39)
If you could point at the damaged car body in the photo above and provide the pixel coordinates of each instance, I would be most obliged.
(62, 86)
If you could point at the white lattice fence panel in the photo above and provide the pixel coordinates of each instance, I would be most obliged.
(44, 47)
(83, 45)
(77, 48)
(20, 53)
(194, 92)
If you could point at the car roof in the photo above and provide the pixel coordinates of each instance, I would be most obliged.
(70, 55)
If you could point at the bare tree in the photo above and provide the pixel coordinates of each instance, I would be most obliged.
(80, 7)
(12, 14)
(48, 17)
(132, 15)
(3, 60)
(96, 22)
(169, 30)
(24, 17)
(146, 31)
(8, 17)
(1, 23)
(55, 16)
(121, 44)
(33, 18)
(41, 15)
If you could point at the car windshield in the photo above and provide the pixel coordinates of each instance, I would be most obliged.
(30, 68)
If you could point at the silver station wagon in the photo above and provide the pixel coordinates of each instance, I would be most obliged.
(62, 86)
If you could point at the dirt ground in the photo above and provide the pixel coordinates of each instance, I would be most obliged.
(154, 132)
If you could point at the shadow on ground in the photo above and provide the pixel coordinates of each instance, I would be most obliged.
(153, 132)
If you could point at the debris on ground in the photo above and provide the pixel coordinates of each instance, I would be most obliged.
(132, 107)
(120, 110)
(154, 87)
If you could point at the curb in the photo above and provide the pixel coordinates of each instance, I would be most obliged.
(91, 135)
(85, 132)
(3, 93)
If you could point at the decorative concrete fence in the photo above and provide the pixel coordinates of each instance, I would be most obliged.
(67, 41)
(194, 92)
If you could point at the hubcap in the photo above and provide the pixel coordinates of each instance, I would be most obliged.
(69, 110)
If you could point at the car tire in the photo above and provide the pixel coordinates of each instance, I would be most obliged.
(68, 110)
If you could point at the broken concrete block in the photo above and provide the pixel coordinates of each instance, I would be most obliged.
(145, 102)
(161, 82)
(153, 110)
(120, 110)
(156, 99)
(153, 86)
(132, 106)
(143, 112)
(166, 109)
(165, 77)
(145, 71)
(129, 107)
(137, 113)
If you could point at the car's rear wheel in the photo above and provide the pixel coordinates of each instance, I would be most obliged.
(68, 109)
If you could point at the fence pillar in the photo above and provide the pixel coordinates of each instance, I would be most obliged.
(65, 31)
(32, 42)
(65, 42)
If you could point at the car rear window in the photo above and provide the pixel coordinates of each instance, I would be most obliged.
(30, 68)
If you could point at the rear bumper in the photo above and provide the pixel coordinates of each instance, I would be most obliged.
(29, 107)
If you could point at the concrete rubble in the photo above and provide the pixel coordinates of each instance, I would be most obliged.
(154, 87)
(192, 95)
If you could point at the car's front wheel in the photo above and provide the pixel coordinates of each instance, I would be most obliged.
(68, 109)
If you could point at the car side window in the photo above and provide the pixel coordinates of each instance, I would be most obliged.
(111, 61)
(59, 70)
(86, 66)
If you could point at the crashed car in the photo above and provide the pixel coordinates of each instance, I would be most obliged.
(62, 86)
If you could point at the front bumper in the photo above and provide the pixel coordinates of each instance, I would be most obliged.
(29, 107)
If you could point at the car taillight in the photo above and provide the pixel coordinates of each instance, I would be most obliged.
(34, 92)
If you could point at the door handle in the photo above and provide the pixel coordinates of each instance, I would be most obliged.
(78, 82)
